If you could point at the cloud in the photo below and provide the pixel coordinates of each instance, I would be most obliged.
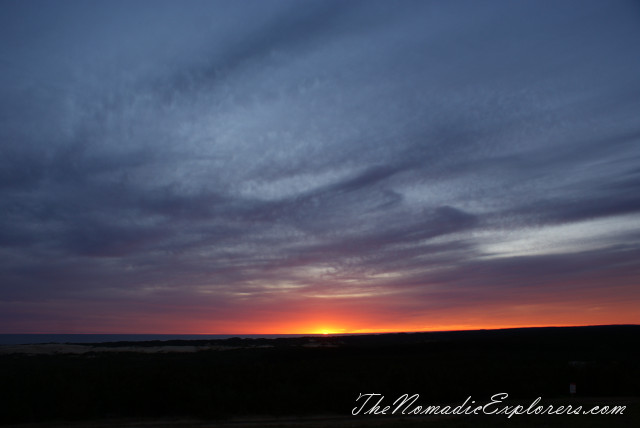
(255, 153)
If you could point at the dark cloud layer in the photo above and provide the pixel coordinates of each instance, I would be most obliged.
(226, 160)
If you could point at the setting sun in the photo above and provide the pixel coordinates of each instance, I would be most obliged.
(328, 330)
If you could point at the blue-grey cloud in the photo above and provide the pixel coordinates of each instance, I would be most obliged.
(238, 153)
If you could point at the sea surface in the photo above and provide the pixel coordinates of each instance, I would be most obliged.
(23, 339)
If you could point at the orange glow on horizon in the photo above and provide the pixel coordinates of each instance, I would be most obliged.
(365, 323)
(354, 328)
(350, 318)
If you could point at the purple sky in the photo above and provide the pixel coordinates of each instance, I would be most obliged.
(271, 166)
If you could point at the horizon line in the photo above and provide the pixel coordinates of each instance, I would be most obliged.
(335, 333)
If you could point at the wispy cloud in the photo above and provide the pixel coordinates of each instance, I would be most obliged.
(225, 160)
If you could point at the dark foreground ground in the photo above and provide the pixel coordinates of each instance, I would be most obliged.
(314, 382)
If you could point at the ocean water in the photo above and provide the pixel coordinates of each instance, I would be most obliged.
(23, 339)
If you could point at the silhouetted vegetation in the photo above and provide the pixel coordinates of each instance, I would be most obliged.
(319, 375)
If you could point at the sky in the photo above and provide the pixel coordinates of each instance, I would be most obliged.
(266, 167)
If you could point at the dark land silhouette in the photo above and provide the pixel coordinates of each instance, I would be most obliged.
(311, 376)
